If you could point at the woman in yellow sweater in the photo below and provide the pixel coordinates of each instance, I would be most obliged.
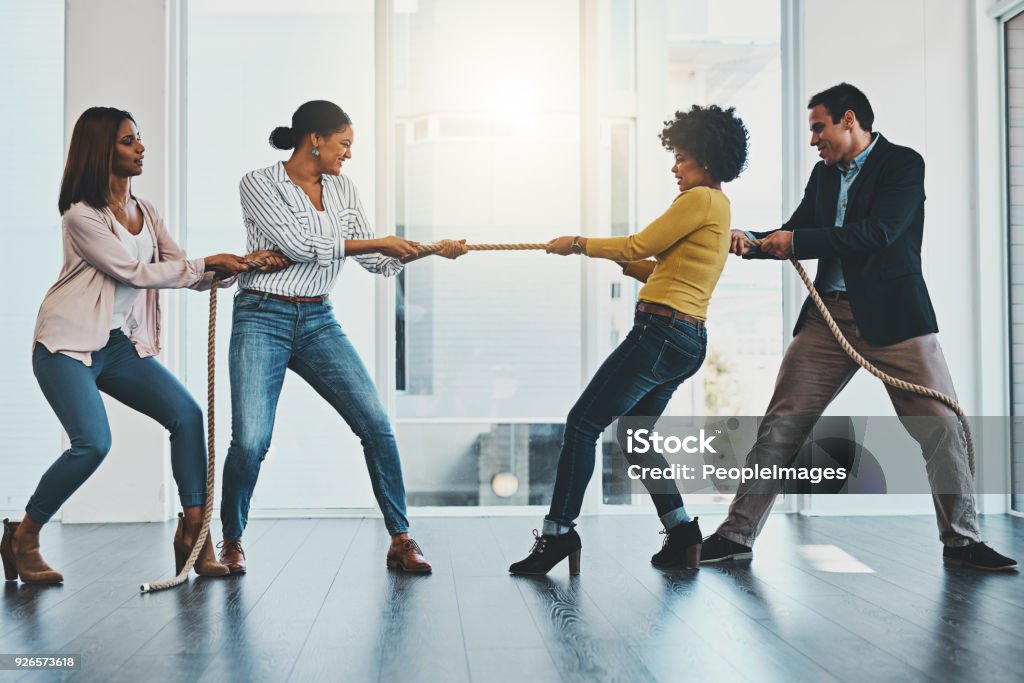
(689, 244)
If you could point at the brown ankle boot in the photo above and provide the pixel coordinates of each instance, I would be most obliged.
(232, 555)
(206, 564)
(24, 559)
(405, 554)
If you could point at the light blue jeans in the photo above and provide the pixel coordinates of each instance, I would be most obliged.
(268, 337)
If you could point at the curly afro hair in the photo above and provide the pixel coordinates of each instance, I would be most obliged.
(715, 137)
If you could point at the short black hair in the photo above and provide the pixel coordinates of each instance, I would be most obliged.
(842, 98)
(316, 116)
(715, 137)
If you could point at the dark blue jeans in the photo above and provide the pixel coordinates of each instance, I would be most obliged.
(143, 384)
(636, 380)
(268, 337)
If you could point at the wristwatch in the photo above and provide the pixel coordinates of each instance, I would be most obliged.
(576, 247)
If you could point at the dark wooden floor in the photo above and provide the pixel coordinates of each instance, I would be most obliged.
(318, 605)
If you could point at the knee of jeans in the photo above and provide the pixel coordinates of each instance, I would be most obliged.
(577, 425)
(246, 449)
(93, 448)
(374, 426)
(189, 418)
(634, 458)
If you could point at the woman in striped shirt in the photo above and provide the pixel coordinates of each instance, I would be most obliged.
(305, 209)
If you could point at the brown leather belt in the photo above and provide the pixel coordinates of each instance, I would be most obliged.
(658, 309)
(834, 296)
(289, 299)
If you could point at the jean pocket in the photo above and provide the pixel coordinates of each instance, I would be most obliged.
(674, 362)
(249, 302)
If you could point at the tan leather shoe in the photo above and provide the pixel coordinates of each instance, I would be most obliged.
(206, 564)
(23, 559)
(232, 555)
(405, 554)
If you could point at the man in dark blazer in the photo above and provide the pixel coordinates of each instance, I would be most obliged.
(862, 217)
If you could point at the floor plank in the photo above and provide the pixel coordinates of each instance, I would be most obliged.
(318, 605)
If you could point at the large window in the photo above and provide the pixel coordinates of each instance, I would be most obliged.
(250, 65)
(492, 351)
(501, 132)
(32, 74)
(487, 148)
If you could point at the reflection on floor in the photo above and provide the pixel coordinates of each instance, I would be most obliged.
(824, 599)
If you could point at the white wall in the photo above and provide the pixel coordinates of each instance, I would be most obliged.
(915, 60)
(33, 152)
(117, 55)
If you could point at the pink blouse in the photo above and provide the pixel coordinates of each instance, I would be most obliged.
(74, 318)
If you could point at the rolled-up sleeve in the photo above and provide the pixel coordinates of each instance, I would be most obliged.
(357, 228)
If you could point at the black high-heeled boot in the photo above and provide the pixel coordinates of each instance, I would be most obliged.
(681, 547)
(548, 551)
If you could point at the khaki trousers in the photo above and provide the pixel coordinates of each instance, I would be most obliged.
(814, 370)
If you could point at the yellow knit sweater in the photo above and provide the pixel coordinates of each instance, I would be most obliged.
(689, 243)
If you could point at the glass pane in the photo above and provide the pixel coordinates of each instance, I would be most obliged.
(245, 77)
(487, 148)
(32, 74)
(726, 53)
(1015, 174)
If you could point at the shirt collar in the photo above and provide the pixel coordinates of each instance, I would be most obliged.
(858, 161)
(279, 174)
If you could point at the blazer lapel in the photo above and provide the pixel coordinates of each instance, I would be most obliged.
(829, 195)
(871, 165)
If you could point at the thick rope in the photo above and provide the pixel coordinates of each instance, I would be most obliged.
(424, 249)
(888, 379)
(197, 547)
(512, 246)
(895, 382)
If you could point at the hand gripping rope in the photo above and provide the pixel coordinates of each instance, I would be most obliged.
(945, 399)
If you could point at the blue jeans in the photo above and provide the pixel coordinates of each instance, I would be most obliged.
(636, 380)
(143, 384)
(269, 336)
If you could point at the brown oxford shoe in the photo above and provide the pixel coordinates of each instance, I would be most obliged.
(406, 554)
(232, 555)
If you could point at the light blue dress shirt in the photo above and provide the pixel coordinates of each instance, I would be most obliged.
(831, 269)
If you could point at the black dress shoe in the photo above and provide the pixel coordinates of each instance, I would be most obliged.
(548, 551)
(719, 548)
(681, 547)
(977, 556)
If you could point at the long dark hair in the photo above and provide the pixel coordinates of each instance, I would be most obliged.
(90, 158)
(317, 116)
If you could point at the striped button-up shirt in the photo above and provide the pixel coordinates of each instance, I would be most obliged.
(279, 216)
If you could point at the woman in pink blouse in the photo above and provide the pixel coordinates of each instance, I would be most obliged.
(98, 329)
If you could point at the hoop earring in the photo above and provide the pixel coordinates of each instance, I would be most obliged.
(316, 151)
